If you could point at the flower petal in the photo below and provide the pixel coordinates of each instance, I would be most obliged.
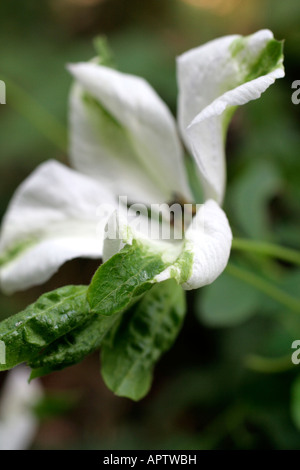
(122, 131)
(206, 249)
(195, 262)
(55, 215)
(18, 423)
(209, 239)
(213, 79)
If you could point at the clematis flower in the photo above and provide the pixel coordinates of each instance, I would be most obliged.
(124, 141)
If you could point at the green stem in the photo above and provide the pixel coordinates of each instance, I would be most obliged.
(267, 249)
(266, 287)
(222, 425)
(22, 102)
(269, 365)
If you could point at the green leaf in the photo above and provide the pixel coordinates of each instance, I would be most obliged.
(227, 302)
(53, 315)
(144, 333)
(73, 347)
(126, 275)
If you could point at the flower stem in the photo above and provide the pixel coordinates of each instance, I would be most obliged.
(267, 249)
(43, 121)
(266, 287)
(269, 365)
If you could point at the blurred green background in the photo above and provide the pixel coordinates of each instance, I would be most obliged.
(228, 383)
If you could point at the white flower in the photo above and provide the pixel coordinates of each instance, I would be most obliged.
(124, 141)
(18, 424)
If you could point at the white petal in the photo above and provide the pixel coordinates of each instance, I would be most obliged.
(55, 215)
(18, 424)
(213, 79)
(123, 132)
(209, 239)
(194, 262)
(121, 229)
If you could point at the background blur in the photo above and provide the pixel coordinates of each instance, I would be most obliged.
(228, 383)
